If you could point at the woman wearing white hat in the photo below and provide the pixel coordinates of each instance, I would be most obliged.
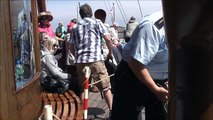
(44, 19)
(44, 25)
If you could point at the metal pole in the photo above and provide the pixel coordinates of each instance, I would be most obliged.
(113, 13)
(86, 72)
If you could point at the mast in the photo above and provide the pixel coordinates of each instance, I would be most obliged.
(41, 5)
(78, 5)
(113, 7)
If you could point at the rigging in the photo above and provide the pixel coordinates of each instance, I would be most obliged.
(123, 10)
(109, 10)
(122, 14)
(140, 9)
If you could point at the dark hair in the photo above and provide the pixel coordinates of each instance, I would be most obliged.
(85, 11)
(100, 14)
(74, 20)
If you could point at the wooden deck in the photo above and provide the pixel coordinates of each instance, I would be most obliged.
(98, 109)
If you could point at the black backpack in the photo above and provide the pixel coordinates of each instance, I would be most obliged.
(50, 84)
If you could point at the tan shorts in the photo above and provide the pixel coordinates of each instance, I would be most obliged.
(98, 72)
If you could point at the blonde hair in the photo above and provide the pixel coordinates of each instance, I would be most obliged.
(49, 42)
(42, 37)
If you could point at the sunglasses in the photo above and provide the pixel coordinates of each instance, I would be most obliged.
(55, 46)
(43, 18)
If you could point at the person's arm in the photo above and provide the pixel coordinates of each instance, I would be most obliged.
(109, 45)
(60, 39)
(143, 75)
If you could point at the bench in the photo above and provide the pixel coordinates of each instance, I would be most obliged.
(65, 106)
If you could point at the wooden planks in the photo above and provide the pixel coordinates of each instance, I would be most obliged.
(66, 106)
(97, 107)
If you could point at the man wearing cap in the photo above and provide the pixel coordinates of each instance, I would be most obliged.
(130, 27)
(142, 72)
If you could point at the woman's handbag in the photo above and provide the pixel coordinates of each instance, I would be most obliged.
(50, 84)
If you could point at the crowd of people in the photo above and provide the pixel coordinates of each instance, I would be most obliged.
(141, 62)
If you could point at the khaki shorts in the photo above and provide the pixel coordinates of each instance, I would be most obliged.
(98, 72)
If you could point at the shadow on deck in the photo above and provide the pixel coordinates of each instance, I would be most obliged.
(98, 109)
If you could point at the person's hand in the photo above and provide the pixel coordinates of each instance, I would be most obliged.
(109, 56)
(162, 94)
(59, 39)
(58, 56)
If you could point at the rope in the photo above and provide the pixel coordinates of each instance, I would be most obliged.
(109, 11)
(87, 73)
(123, 11)
(140, 9)
(52, 114)
(122, 14)
(99, 80)
(56, 117)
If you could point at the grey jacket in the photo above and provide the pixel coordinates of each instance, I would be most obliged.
(130, 27)
(50, 66)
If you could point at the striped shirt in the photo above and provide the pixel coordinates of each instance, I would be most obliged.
(86, 37)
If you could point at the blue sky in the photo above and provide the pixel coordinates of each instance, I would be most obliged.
(65, 10)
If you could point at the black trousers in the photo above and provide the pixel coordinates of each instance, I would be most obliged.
(131, 95)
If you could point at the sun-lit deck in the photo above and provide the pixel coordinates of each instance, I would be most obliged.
(98, 109)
